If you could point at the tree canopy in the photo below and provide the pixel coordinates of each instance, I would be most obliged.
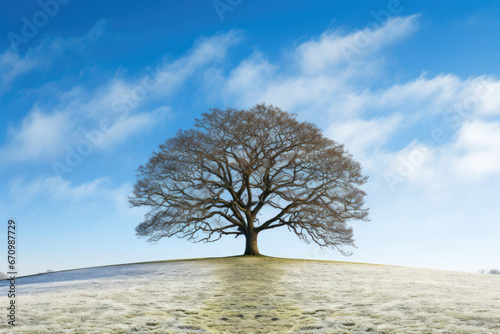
(241, 172)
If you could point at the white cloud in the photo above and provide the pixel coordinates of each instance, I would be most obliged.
(471, 159)
(13, 65)
(101, 101)
(478, 149)
(362, 136)
(333, 49)
(54, 188)
(205, 52)
(415, 164)
(311, 93)
(58, 192)
(250, 76)
(436, 91)
(475, 96)
(484, 96)
(40, 136)
(129, 126)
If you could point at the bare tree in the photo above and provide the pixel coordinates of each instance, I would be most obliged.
(240, 172)
(491, 271)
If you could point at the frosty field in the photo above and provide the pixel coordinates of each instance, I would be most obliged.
(255, 295)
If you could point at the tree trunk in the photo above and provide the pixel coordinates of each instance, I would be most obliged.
(251, 243)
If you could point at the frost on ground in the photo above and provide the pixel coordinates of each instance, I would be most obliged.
(256, 295)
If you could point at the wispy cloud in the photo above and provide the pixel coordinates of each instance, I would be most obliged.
(334, 48)
(40, 136)
(205, 52)
(118, 108)
(54, 188)
(478, 149)
(471, 158)
(363, 136)
(56, 191)
(13, 65)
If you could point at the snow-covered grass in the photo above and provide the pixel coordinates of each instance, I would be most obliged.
(255, 295)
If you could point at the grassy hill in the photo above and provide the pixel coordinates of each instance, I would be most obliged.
(256, 295)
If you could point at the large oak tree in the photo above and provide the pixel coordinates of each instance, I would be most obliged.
(241, 172)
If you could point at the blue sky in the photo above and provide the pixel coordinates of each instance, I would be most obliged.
(89, 89)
